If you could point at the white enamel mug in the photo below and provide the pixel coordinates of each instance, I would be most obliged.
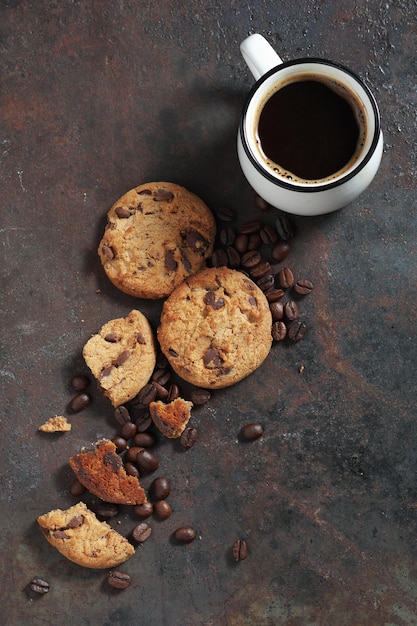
(302, 197)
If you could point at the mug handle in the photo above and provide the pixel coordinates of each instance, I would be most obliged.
(259, 55)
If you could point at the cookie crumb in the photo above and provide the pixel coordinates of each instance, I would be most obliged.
(57, 424)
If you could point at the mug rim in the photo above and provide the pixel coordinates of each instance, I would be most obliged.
(308, 188)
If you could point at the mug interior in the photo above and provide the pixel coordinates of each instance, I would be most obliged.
(289, 72)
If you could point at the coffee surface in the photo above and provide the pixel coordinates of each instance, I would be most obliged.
(308, 130)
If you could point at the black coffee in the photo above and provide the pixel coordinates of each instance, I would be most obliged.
(308, 130)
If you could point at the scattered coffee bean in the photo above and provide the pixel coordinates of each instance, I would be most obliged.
(296, 330)
(241, 243)
(280, 251)
(131, 469)
(122, 415)
(219, 258)
(173, 393)
(145, 396)
(185, 534)
(233, 257)
(227, 236)
(260, 270)
(120, 443)
(162, 509)
(225, 214)
(279, 331)
(38, 585)
(143, 422)
(128, 430)
(250, 259)
(284, 227)
(143, 510)
(80, 382)
(119, 580)
(252, 431)
(161, 376)
(200, 396)
(141, 532)
(303, 287)
(107, 510)
(131, 453)
(286, 278)
(77, 489)
(80, 402)
(161, 392)
(261, 204)
(277, 310)
(239, 550)
(188, 437)
(274, 294)
(146, 461)
(291, 310)
(144, 440)
(160, 488)
(266, 282)
(254, 241)
(252, 226)
(268, 235)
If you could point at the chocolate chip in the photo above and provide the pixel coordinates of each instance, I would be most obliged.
(172, 352)
(108, 252)
(163, 195)
(212, 358)
(122, 358)
(106, 371)
(195, 240)
(112, 337)
(186, 263)
(210, 300)
(122, 212)
(76, 521)
(170, 261)
(60, 534)
(113, 460)
(140, 339)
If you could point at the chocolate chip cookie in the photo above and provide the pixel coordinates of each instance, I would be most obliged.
(215, 328)
(157, 235)
(79, 536)
(122, 356)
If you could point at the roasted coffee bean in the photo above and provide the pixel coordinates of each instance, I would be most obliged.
(38, 585)
(280, 251)
(277, 310)
(143, 422)
(227, 236)
(251, 259)
(261, 204)
(146, 461)
(173, 393)
(107, 510)
(303, 287)
(131, 453)
(253, 226)
(268, 234)
(77, 489)
(145, 396)
(219, 258)
(160, 488)
(200, 396)
(162, 509)
(239, 550)
(185, 534)
(252, 431)
(260, 270)
(161, 376)
(291, 310)
(233, 257)
(225, 214)
(241, 243)
(284, 227)
(144, 440)
(122, 415)
(279, 331)
(80, 402)
(119, 580)
(141, 532)
(161, 361)
(143, 510)
(161, 392)
(128, 430)
(254, 241)
(188, 437)
(297, 330)
(120, 443)
(286, 278)
(131, 469)
(80, 382)
(275, 294)
(266, 282)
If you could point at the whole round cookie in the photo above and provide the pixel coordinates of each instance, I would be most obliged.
(215, 328)
(157, 235)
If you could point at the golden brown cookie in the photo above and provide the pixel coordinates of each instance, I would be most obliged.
(171, 418)
(216, 328)
(122, 356)
(157, 235)
(101, 471)
(79, 536)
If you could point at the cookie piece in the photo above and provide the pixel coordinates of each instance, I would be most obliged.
(79, 536)
(171, 418)
(122, 356)
(157, 235)
(57, 424)
(101, 471)
(215, 328)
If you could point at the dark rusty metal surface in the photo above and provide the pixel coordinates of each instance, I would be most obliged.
(99, 96)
